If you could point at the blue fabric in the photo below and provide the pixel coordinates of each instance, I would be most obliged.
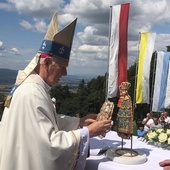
(162, 96)
(141, 133)
(56, 49)
(13, 90)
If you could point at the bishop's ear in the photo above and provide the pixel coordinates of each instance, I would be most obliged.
(47, 61)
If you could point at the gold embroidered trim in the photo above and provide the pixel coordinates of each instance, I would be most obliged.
(8, 101)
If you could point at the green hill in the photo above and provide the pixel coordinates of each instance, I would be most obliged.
(7, 76)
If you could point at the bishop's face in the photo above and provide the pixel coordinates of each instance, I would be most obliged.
(55, 69)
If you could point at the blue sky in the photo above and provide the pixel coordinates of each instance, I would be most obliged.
(24, 23)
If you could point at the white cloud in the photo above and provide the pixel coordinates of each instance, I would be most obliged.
(1, 45)
(37, 8)
(5, 51)
(90, 36)
(89, 48)
(26, 25)
(14, 51)
(39, 25)
(6, 6)
(90, 45)
(162, 40)
(65, 19)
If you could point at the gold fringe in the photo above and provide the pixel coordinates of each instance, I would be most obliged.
(8, 101)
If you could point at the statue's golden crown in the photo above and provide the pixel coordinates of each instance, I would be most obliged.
(125, 85)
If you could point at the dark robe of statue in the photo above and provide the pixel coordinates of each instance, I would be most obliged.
(125, 114)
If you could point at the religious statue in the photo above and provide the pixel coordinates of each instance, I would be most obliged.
(106, 111)
(125, 114)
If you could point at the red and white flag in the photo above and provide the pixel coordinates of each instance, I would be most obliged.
(117, 69)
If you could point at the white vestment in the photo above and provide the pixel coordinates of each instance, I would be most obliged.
(33, 136)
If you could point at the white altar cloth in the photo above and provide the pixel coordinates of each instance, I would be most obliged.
(101, 162)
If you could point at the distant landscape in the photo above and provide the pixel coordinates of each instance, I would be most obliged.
(7, 76)
(7, 79)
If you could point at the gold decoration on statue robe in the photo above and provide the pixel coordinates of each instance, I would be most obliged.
(106, 111)
(125, 113)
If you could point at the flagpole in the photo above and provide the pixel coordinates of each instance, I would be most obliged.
(134, 94)
(153, 80)
(107, 73)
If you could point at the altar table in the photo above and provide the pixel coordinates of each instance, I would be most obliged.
(101, 162)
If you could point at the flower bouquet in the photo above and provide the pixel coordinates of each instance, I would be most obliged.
(160, 137)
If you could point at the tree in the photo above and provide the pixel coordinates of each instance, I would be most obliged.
(90, 96)
(2, 97)
(60, 93)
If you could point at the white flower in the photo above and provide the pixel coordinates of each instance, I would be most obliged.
(169, 141)
(159, 130)
(162, 137)
(168, 132)
(151, 135)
